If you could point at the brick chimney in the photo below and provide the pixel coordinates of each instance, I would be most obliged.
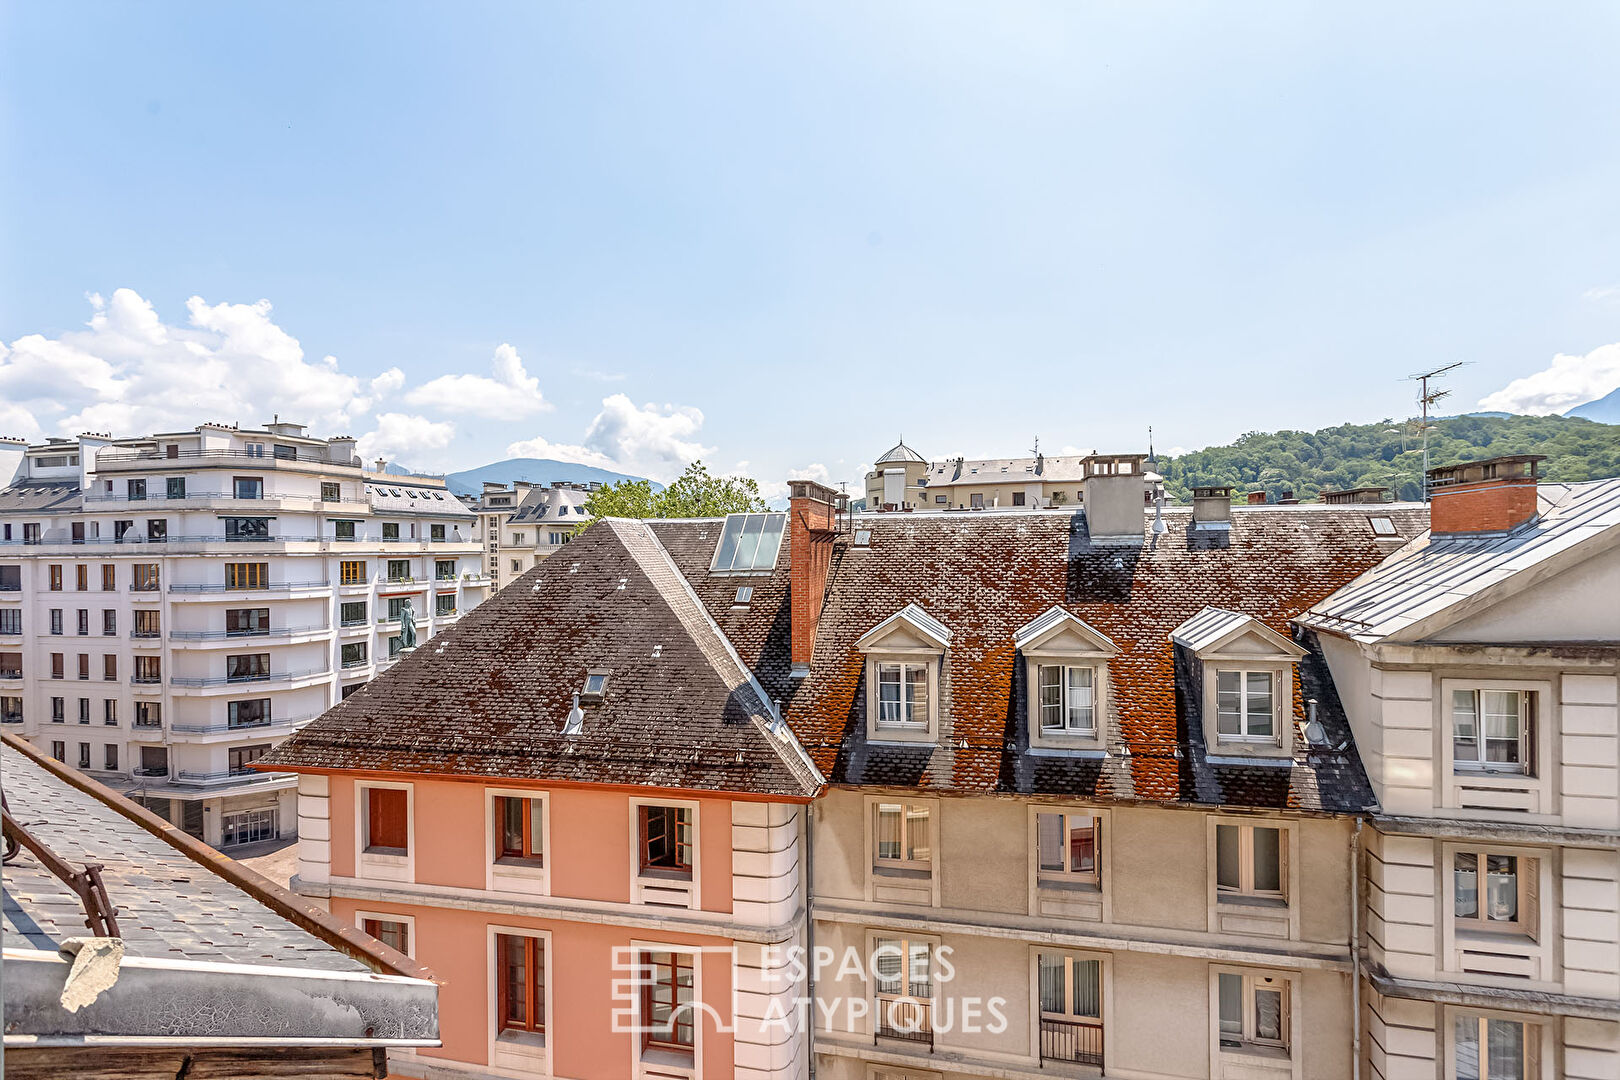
(812, 524)
(1483, 497)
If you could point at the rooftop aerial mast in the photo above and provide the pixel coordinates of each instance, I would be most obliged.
(1426, 398)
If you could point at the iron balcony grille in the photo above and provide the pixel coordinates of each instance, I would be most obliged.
(257, 677)
(269, 586)
(906, 1019)
(1078, 1041)
(263, 631)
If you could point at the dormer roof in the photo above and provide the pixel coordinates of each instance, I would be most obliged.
(1056, 622)
(1218, 632)
(917, 619)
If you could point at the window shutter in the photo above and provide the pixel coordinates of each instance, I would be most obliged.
(386, 814)
(1530, 917)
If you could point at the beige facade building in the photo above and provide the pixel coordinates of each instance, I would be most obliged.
(901, 479)
(1478, 669)
(517, 526)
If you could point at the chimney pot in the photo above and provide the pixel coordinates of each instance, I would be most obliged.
(1212, 506)
(1496, 495)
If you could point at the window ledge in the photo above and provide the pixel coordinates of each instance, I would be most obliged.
(679, 1059)
(522, 1040)
(1266, 1054)
(903, 873)
(1492, 937)
(510, 862)
(1505, 776)
(1230, 755)
(659, 875)
(1087, 747)
(1059, 885)
(1267, 903)
(387, 856)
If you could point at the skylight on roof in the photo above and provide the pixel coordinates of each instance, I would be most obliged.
(595, 683)
(749, 544)
(745, 593)
(1382, 526)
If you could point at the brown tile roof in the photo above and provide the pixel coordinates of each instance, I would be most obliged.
(490, 697)
(984, 576)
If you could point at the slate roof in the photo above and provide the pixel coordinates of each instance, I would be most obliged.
(1068, 469)
(900, 453)
(490, 696)
(169, 907)
(40, 497)
(388, 496)
(1422, 581)
(566, 506)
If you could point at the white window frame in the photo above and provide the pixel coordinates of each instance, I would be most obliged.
(1252, 1049)
(408, 921)
(1532, 710)
(527, 1052)
(1066, 708)
(523, 877)
(876, 997)
(1246, 889)
(1104, 1019)
(908, 706)
(1527, 874)
(380, 865)
(1274, 683)
(1069, 876)
(908, 810)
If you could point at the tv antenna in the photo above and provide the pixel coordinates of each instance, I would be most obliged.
(1426, 398)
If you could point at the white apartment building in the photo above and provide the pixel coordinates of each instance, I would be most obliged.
(1478, 669)
(173, 606)
(518, 526)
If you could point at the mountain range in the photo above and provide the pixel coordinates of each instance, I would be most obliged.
(535, 471)
(1605, 410)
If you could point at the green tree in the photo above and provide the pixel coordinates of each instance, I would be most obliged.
(697, 493)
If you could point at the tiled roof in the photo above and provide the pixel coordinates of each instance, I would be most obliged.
(1412, 591)
(986, 577)
(169, 907)
(490, 696)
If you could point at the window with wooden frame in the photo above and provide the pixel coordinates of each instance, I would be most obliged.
(1494, 1048)
(144, 577)
(1068, 698)
(387, 821)
(55, 577)
(1251, 861)
(396, 935)
(56, 665)
(109, 578)
(109, 667)
(519, 830)
(666, 841)
(1070, 989)
(668, 1018)
(903, 987)
(247, 575)
(81, 578)
(1495, 891)
(520, 984)
(1246, 704)
(902, 836)
(1254, 1011)
(1493, 730)
(352, 572)
(1068, 846)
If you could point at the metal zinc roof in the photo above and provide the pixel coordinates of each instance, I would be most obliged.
(1430, 574)
(1207, 627)
(917, 617)
(1047, 620)
(901, 452)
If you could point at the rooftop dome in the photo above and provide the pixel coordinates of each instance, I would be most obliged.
(901, 452)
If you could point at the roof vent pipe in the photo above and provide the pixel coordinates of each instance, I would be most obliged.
(575, 724)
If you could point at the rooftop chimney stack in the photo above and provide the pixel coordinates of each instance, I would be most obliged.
(1113, 498)
(1212, 507)
(812, 525)
(1354, 495)
(1483, 498)
(1257, 498)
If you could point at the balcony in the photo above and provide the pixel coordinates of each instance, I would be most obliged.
(147, 725)
(269, 586)
(153, 460)
(227, 728)
(155, 770)
(1078, 1041)
(11, 674)
(234, 680)
(11, 718)
(244, 775)
(350, 665)
(906, 1019)
(237, 635)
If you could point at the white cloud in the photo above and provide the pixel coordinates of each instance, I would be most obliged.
(775, 491)
(513, 394)
(128, 372)
(541, 447)
(413, 440)
(388, 382)
(1565, 383)
(1607, 295)
(651, 440)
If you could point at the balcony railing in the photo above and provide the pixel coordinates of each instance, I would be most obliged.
(269, 586)
(155, 457)
(217, 635)
(11, 718)
(231, 680)
(11, 673)
(354, 663)
(227, 727)
(185, 776)
(139, 635)
(908, 1019)
(147, 724)
(1078, 1041)
(150, 586)
(155, 770)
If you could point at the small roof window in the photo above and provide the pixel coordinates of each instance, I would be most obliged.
(595, 684)
(749, 544)
(745, 593)
(1382, 526)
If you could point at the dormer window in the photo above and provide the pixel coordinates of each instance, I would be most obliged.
(904, 655)
(1247, 673)
(1066, 668)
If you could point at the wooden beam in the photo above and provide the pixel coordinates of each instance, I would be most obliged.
(198, 1063)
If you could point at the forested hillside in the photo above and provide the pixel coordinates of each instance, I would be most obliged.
(1390, 454)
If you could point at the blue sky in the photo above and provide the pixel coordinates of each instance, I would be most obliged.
(780, 235)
